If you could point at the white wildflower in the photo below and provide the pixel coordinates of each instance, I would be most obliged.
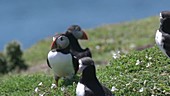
(42, 94)
(132, 46)
(63, 89)
(150, 58)
(113, 88)
(36, 90)
(97, 47)
(138, 62)
(40, 84)
(145, 81)
(116, 55)
(146, 56)
(141, 90)
(127, 84)
(53, 86)
(149, 64)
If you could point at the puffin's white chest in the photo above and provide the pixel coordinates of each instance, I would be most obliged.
(158, 39)
(80, 90)
(62, 64)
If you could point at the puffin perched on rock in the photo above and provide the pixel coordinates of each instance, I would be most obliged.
(60, 60)
(162, 37)
(89, 85)
(74, 33)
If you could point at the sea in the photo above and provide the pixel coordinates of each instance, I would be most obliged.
(28, 21)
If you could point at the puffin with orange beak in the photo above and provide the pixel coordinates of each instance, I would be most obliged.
(60, 60)
(74, 33)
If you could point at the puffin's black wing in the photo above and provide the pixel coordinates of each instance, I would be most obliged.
(81, 54)
(166, 35)
(107, 91)
(88, 92)
(75, 63)
(48, 64)
(88, 52)
(166, 43)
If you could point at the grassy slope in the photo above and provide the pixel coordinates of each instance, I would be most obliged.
(109, 38)
(151, 74)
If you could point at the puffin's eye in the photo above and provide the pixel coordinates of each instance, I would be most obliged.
(61, 38)
(77, 28)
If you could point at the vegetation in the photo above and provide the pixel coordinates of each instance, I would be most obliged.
(139, 73)
(129, 71)
(105, 41)
(12, 59)
(3, 64)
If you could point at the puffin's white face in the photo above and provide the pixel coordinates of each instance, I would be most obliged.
(84, 62)
(81, 66)
(62, 42)
(160, 18)
(78, 34)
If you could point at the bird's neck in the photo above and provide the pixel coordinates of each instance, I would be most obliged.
(74, 42)
(64, 51)
(89, 73)
(90, 80)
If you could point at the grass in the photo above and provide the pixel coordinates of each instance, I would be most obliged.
(131, 72)
(139, 73)
(104, 40)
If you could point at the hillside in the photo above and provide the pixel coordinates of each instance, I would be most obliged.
(129, 72)
(105, 41)
(139, 73)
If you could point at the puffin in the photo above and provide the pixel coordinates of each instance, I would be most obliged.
(75, 33)
(162, 36)
(60, 60)
(89, 85)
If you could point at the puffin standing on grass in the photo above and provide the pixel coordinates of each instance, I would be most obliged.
(60, 60)
(74, 33)
(89, 85)
(162, 37)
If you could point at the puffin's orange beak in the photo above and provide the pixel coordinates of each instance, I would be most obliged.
(53, 45)
(84, 37)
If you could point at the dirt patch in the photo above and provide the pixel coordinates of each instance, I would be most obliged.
(39, 68)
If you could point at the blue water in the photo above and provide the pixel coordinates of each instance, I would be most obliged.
(29, 21)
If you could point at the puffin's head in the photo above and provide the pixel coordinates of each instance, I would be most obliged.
(77, 32)
(85, 62)
(60, 42)
(163, 15)
(165, 25)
